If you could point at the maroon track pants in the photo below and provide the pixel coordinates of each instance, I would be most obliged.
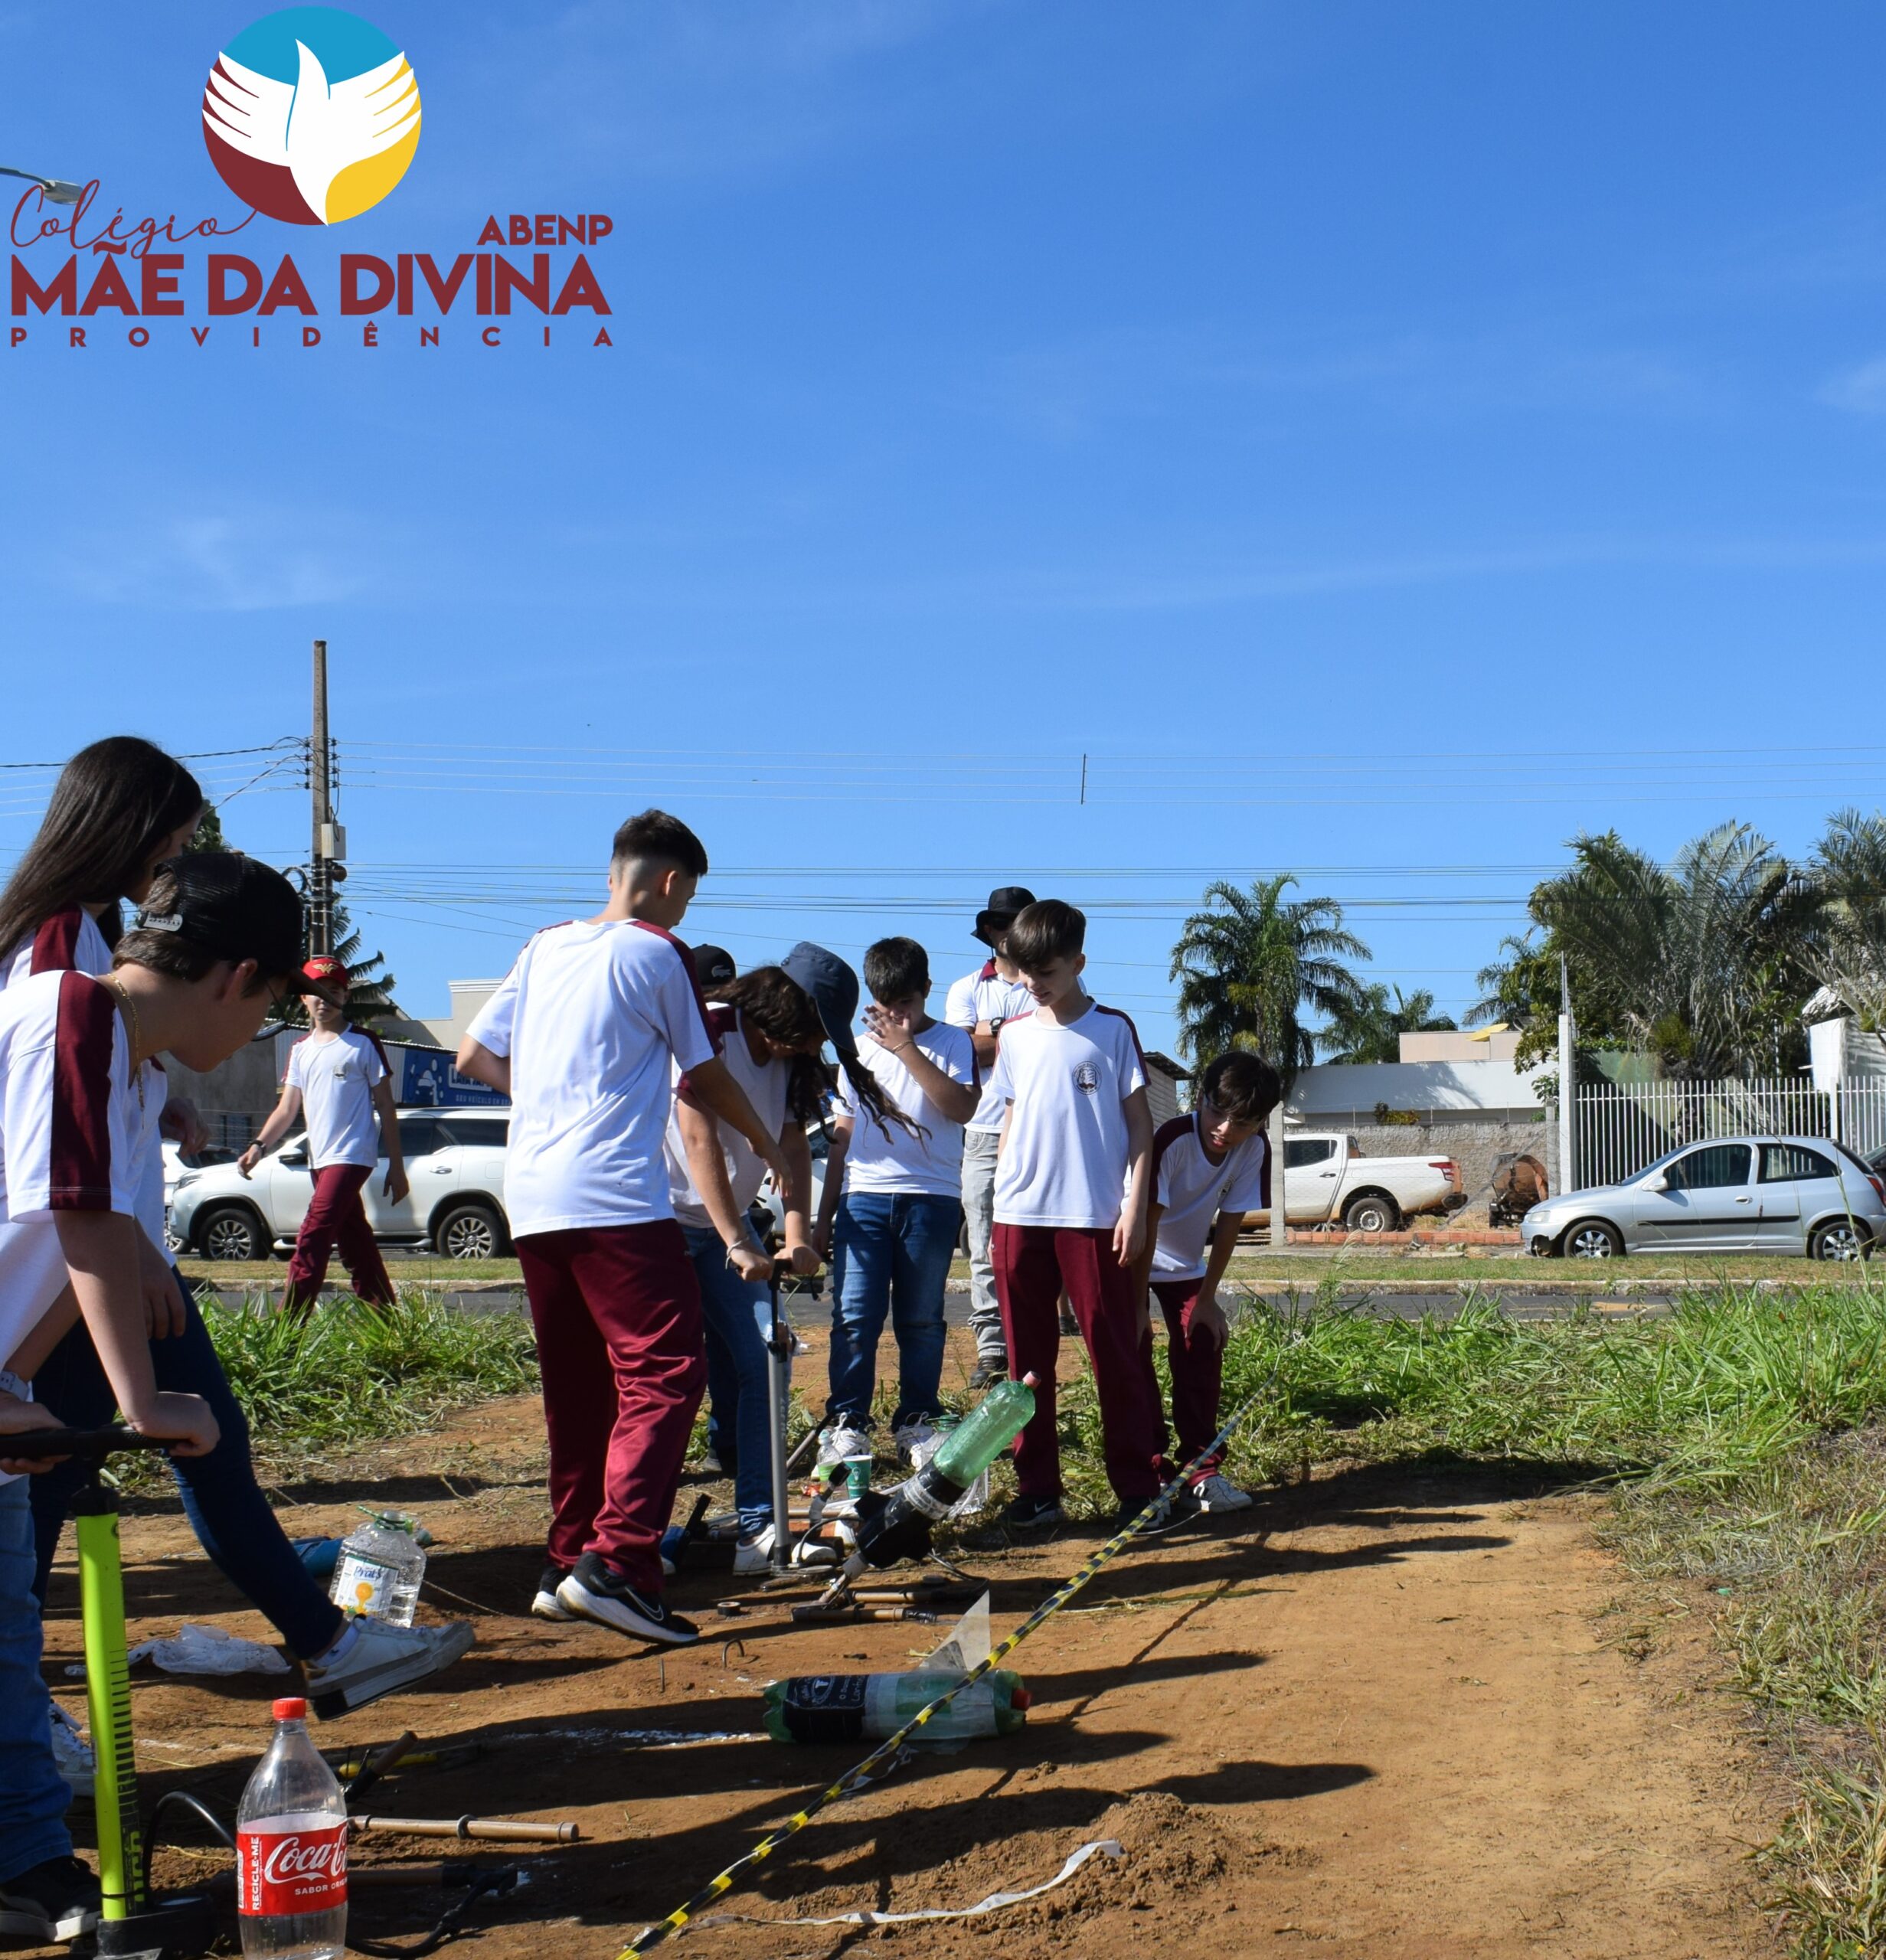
(1033, 1263)
(336, 1221)
(623, 1351)
(1197, 1356)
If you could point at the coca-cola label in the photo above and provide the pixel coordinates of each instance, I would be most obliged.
(290, 1871)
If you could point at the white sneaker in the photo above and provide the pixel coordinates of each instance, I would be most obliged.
(382, 1660)
(73, 1753)
(910, 1437)
(546, 1606)
(754, 1556)
(841, 1442)
(1216, 1493)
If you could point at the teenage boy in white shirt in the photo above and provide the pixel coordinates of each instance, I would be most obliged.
(1209, 1168)
(1077, 1136)
(220, 939)
(890, 1210)
(585, 1034)
(338, 1081)
(981, 1001)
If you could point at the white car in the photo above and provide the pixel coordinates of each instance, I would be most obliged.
(1326, 1177)
(177, 1163)
(455, 1162)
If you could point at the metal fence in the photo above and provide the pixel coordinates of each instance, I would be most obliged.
(1623, 1126)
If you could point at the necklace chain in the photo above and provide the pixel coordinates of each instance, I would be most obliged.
(136, 1031)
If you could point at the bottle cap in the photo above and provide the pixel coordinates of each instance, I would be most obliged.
(290, 1708)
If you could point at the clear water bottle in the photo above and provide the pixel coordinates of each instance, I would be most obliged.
(291, 1850)
(379, 1569)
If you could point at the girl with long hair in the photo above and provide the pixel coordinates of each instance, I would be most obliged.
(123, 808)
(771, 1024)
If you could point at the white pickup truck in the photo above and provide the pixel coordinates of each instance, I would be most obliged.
(1326, 1177)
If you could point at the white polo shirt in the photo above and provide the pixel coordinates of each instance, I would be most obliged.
(70, 942)
(986, 995)
(1064, 1159)
(595, 1017)
(766, 1084)
(1193, 1190)
(337, 1074)
(70, 1130)
(931, 1161)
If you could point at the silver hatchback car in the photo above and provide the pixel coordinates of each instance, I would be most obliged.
(1803, 1195)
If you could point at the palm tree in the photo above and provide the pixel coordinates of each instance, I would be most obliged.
(1248, 963)
(1848, 956)
(1369, 1029)
(1702, 964)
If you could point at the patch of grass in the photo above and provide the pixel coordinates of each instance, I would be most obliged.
(1728, 1380)
(266, 1276)
(351, 1372)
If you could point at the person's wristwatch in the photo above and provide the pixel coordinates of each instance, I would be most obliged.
(995, 1026)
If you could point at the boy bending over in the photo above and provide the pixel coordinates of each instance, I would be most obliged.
(72, 1054)
(1208, 1169)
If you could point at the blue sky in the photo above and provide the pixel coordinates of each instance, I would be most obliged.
(1383, 440)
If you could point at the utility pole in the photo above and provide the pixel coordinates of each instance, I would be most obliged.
(329, 843)
(1567, 1086)
(1279, 1221)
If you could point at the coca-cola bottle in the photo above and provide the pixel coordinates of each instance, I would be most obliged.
(291, 1849)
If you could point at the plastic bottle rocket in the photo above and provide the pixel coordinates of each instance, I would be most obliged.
(845, 1708)
(898, 1526)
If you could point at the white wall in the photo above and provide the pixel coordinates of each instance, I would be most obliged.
(1345, 1093)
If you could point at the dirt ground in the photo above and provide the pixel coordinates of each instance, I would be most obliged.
(1384, 1712)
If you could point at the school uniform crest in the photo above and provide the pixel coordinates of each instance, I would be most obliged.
(1087, 1078)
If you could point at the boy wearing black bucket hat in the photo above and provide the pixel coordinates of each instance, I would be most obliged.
(981, 1001)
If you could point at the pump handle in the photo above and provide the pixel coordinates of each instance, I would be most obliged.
(30, 1445)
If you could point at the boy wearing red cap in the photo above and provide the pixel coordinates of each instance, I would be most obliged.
(337, 1080)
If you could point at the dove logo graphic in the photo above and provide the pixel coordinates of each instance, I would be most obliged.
(311, 115)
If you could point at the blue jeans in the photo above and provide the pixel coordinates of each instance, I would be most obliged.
(33, 1795)
(890, 1251)
(739, 1317)
(221, 1497)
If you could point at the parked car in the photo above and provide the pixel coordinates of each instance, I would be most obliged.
(1326, 1177)
(455, 1161)
(768, 1210)
(177, 1163)
(1803, 1195)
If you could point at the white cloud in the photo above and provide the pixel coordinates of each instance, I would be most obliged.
(1861, 390)
(1065, 391)
(216, 564)
(672, 90)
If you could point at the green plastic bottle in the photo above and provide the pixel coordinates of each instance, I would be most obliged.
(985, 1432)
(849, 1708)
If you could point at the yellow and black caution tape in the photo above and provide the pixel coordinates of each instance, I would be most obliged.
(664, 1929)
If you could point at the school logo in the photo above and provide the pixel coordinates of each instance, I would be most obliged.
(311, 115)
(1087, 1078)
